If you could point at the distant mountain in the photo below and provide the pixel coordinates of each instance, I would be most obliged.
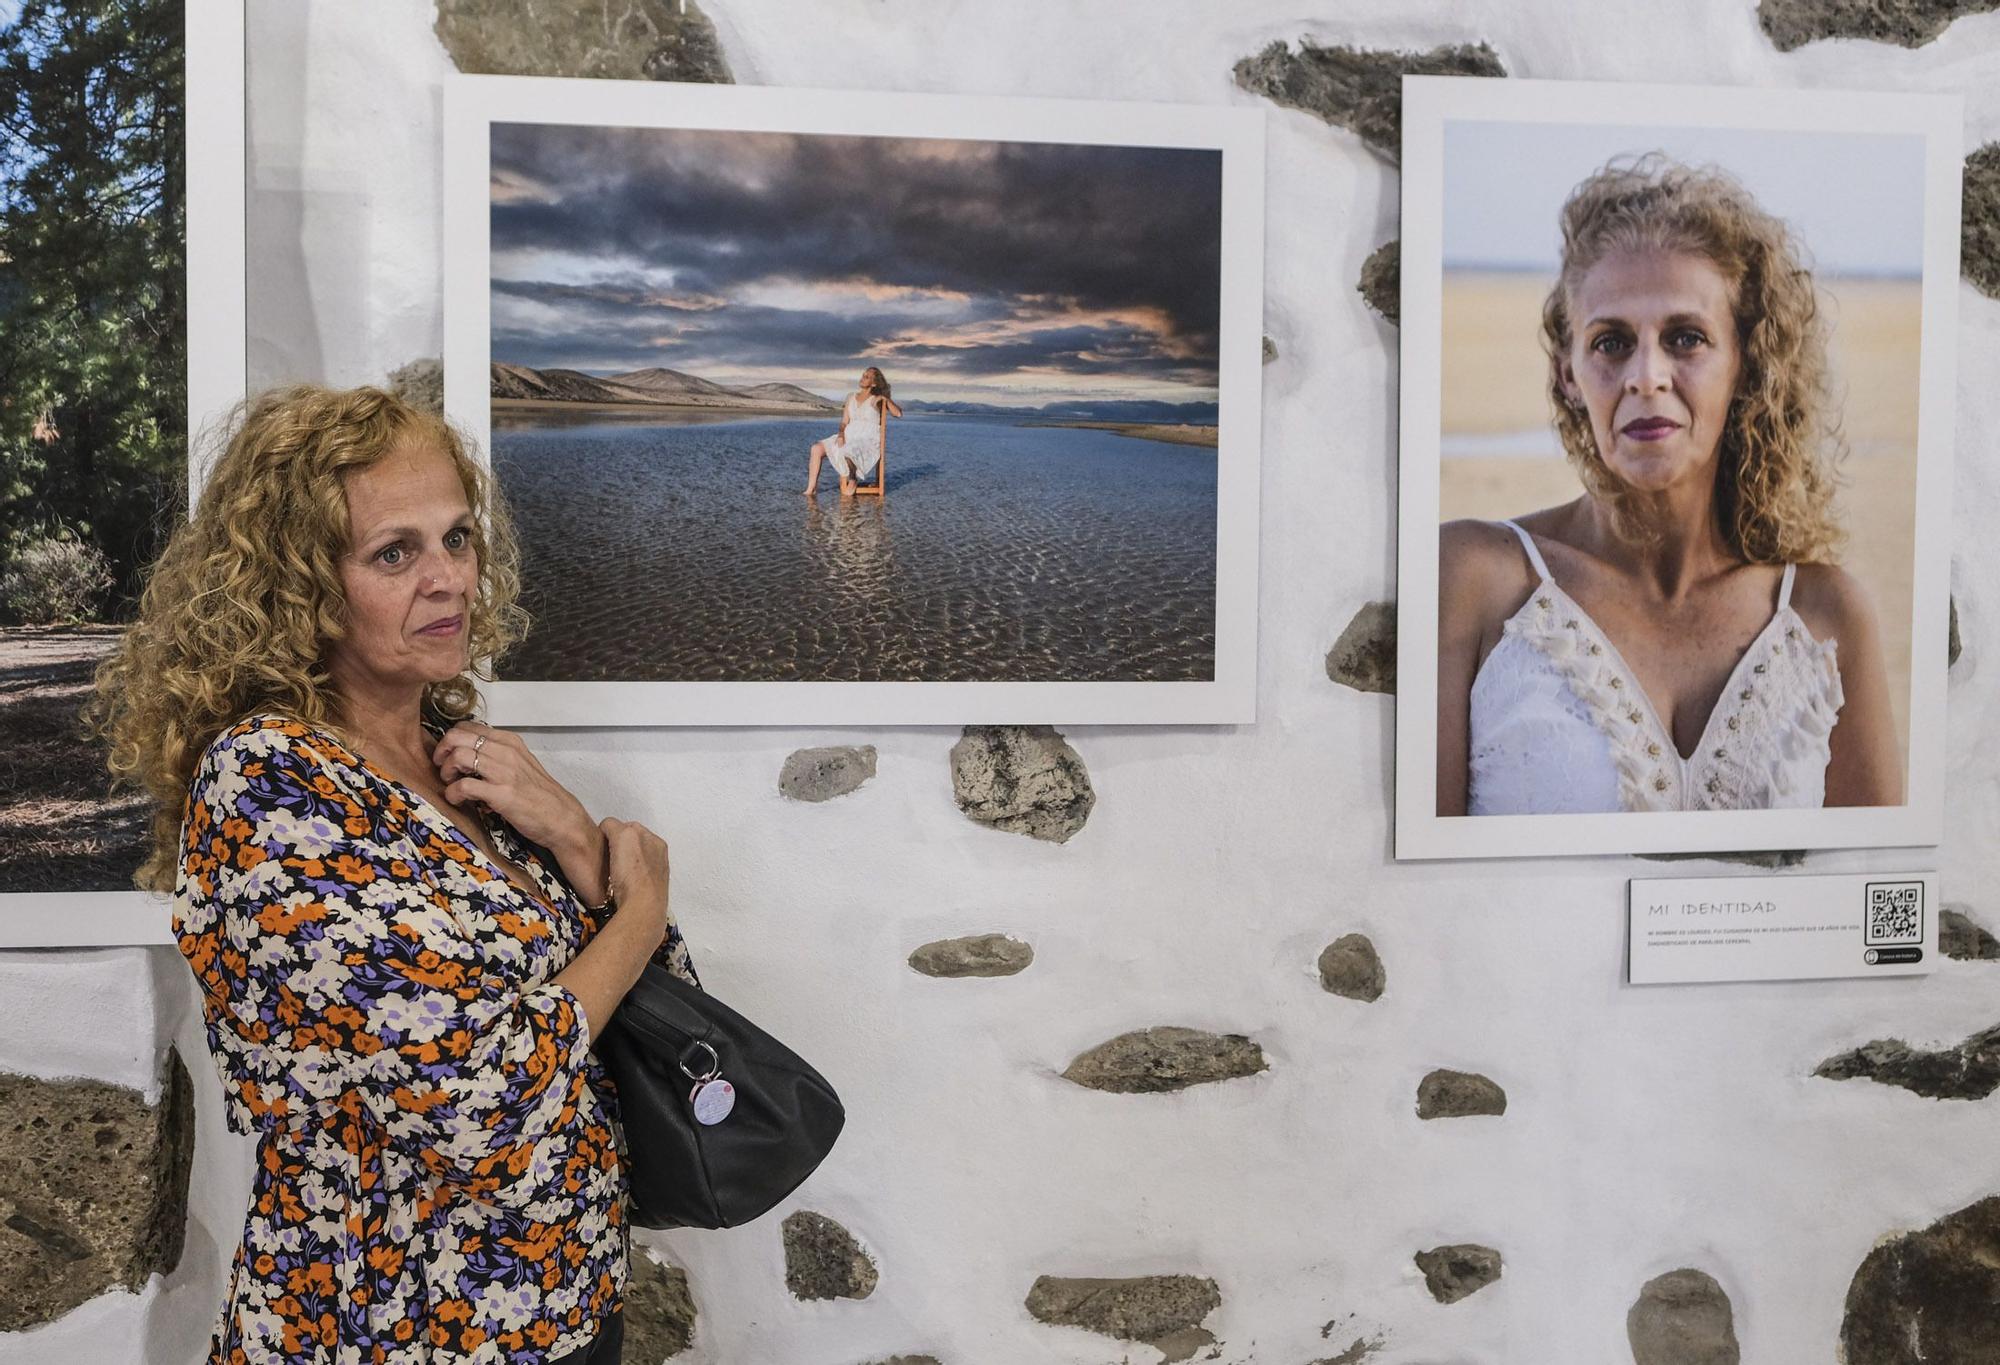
(676, 388)
(790, 393)
(669, 388)
(1193, 414)
(970, 409)
(559, 386)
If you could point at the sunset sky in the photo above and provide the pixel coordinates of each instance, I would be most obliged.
(1011, 273)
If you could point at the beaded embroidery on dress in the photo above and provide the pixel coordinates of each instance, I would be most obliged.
(1559, 723)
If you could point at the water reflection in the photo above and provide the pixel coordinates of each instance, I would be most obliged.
(998, 552)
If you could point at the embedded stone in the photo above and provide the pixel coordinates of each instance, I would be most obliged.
(1953, 646)
(1364, 657)
(1970, 1071)
(93, 1189)
(823, 1261)
(1024, 779)
(661, 40)
(420, 384)
(1155, 1060)
(1381, 286)
(1354, 89)
(908, 1360)
(1907, 23)
(1163, 1311)
(1349, 966)
(1767, 858)
(659, 1310)
(690, 51)
(1455, 1272)
(1964, 938)
(1357, 1352)
(974, 955)
(1458, 1094)
(1928, 1295)
(822, 774)
(1683, 1318)
(1270, 350)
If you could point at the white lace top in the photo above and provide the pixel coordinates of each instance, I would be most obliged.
(1559, 723)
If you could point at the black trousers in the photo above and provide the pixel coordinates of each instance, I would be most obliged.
(604, 1350)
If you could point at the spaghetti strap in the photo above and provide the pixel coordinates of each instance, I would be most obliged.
(1785, 587)
(1535, 555)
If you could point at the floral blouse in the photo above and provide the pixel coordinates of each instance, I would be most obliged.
(437, 1165)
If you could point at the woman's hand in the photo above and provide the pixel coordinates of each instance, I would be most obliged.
(639, 876)
(493, 767)
(604, 971)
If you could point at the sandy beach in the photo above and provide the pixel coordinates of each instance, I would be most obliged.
(1500, 462)
(1174, 433)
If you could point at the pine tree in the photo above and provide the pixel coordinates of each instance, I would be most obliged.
(93, 391)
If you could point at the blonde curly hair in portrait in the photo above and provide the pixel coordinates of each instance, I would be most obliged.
(239, 610)
(1775, 488)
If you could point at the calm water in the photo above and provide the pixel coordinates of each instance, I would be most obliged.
(676, 552)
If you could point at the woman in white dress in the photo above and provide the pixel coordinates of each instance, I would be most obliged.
(861, 444)
(1679, 637)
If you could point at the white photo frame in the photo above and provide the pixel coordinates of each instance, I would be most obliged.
(1537, 116)
(218, 358)
(474, 104)
(213, 76)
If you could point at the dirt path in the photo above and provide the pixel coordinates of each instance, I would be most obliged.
(59, 829)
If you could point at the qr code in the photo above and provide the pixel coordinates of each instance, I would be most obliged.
(1895, 913)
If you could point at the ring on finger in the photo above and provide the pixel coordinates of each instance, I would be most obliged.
(475, 763)
(479, 743)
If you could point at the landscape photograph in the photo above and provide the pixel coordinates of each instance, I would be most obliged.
(803, 407)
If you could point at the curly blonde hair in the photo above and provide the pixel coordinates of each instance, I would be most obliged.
(1774, 496)
(240, 608)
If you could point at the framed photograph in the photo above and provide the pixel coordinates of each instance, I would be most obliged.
(824, 407)
(119, 205)
(1676, 425)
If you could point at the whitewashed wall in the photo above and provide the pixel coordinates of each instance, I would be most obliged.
(1647, 1128)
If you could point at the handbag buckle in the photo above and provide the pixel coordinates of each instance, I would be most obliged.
(714, 1063)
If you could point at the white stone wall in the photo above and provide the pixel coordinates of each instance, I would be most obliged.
(1647, 1128)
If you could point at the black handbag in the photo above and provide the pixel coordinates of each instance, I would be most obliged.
(669, 1043)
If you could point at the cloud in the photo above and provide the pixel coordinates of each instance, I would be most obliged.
(758, 250)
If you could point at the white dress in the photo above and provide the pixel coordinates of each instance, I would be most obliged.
(1560, 724)
(857, 453)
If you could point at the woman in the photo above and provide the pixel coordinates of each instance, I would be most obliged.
(401, 926)
(1679, 637)
(862, 443)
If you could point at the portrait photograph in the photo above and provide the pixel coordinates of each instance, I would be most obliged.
(137, 111)
(1675, 468)
(861, 408)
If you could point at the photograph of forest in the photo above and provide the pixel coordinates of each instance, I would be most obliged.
(93, 402)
